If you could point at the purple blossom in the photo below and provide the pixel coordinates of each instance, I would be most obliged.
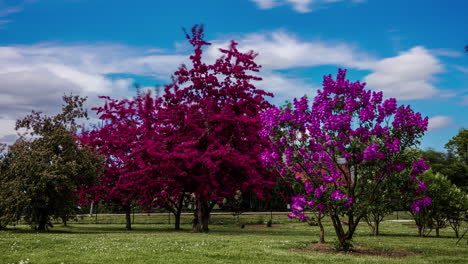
(349, 202)
(416, 205)
(320, 191)
(421, 188)
(372, 153)
(338, 195)
(393, 146)
(308, 187)
(419, 166)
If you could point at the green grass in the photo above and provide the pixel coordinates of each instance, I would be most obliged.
(85, 242)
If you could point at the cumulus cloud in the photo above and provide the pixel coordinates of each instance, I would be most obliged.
(37, 76)
(439, 122)
(285, 87)
(408, 76)
(300, 6)
(282, 50)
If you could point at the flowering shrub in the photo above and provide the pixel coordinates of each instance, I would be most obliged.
(346, 150)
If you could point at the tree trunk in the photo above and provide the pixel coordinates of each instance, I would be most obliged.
(42, 225)
(128, 218)
(420, 231)
(195, 226)
(202, 217)
(345, 237)
(64, 220)
(376, 228)
(322, 229)
(177, 220)
(178, 211)
(437, 232)
(342, 236)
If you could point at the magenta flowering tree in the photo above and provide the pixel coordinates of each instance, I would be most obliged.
(115, 139)
(346, 150)
(210, 122)
(139, 167)
(201, 138)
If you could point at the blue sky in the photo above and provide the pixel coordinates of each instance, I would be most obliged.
(411, 50)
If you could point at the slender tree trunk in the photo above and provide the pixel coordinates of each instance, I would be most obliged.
(177, 220)
(42, 225)
(420, 231)
(195, 226)
(128, 218)
(64, 220)
(376, 228)
(205, 221)
(178, 211)
(437, 231)
(322, 229)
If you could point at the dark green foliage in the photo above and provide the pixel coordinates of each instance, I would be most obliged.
(449, 164)
(40, 176)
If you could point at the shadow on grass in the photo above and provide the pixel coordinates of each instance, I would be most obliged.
(228, 230)
(409, 235)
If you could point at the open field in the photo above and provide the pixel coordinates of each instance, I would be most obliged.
(87, 242)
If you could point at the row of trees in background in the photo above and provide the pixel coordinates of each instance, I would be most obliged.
(213, 138)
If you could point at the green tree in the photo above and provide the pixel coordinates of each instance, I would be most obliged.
(389, 201)
(458, 146)
(447, 207)
(448, 165)
(42, 174)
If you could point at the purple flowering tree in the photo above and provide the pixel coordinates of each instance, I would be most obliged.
(346, 150)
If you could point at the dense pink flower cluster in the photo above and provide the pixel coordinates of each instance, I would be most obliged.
(347, 127)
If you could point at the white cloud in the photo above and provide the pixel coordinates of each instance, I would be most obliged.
(300, 6)
(36, 76)
(439, 122)
(285, 87)
(407, 76)
(265, 4)
(282, 50)
(447, 53)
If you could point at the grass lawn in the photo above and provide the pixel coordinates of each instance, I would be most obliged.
(87, 242)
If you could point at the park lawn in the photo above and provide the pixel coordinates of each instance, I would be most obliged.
(228, 243)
